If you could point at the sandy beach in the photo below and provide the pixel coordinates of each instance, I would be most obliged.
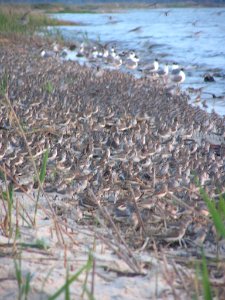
(120, 185)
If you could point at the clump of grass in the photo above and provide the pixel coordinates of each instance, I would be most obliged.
(18, 22)
(217, 213)
(202, 281)
(24, 21)
(205, 279)
(49, 87)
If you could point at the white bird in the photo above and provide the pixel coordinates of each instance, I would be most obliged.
(105, 53)
(116, 61)
(112, 52)
(132, 61)
(152, 67)
(64, 53)
(180, 77)
(113, 58)
(175, 69)
(80, 52)
(163, 72)
(47, 53)
(94, 53)
(55, 47)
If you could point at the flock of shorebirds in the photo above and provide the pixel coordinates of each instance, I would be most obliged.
(109, 56)
(135, 147)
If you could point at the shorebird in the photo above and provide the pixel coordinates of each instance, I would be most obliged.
(94, 53)
(55, 48)
(176, 233)
(132, 61)
(24, 20)
(112, 52)
(112, 57)
(152, 67)
(64, 53)
(208, 78)
(175, 68)
(103, 53)
(46, 53)
(163, 72)
(116, 61)
(161, 191)
(178, 78)
(80, 52)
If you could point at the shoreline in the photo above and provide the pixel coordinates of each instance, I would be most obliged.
(52, 8)
(111, 138)
(147, 48)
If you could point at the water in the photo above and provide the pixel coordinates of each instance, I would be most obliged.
(193, 37)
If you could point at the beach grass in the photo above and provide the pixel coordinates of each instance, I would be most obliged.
(217, 212)
(207, 290)
(25, 21)
(23, 282)
(42, 179)
(70, 279)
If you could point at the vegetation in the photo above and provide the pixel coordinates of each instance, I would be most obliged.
(23, 20)
(22, 281)
(69, 280)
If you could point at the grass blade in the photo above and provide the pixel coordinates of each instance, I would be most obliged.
(67, 287)
(86, 267)
(27, 285)
(42, 179)
(217, 220)
(44, 166)
(221, 207)
(205, 279)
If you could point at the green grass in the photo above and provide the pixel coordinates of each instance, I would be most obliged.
(217, 213)
(8, 197)
(205, 279)
(10, 22)
(48, 87)
(42, 179)
(216, 210)
(23, 282)
(69, 280)
(14, 21)
(3, 84)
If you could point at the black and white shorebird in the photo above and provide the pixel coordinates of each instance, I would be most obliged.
(179, 76)
(152, 67)
(114, 59)
(163, 73)
(117, 61)
(175, 69)
(132, 61)
(81, 51)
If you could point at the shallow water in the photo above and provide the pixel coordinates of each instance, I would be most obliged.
(193, 37)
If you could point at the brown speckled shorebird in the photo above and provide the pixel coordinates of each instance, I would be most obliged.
(110, 133)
